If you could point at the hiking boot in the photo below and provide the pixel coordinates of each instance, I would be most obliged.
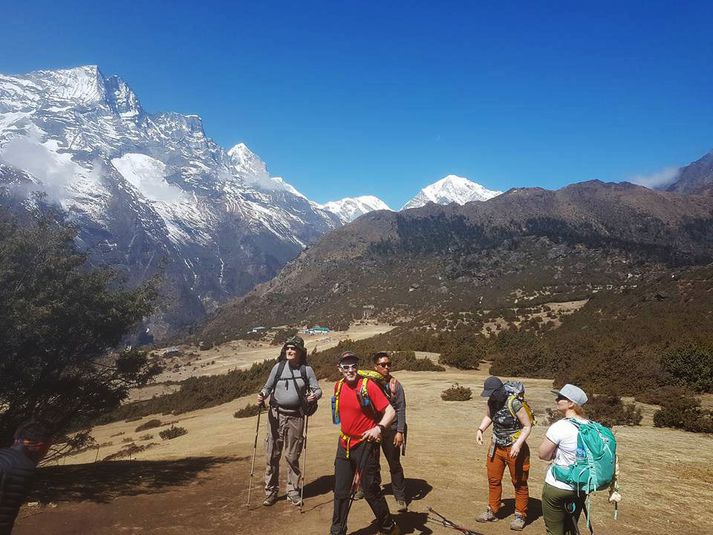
(393, 530)
(359, 495)
(270, 499)
(487, 516)
(518, 523)
(401, 506)
(294, 499)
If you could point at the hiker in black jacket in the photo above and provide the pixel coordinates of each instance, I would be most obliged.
(288, 392)
(17, 468)
(393, 438)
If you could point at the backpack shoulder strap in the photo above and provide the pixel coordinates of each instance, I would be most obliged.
(510, 401)
(576, 423)
(303, 373)
(280, 368)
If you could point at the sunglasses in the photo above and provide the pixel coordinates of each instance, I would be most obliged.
(384, 364)
(561, 398)
(348, 367)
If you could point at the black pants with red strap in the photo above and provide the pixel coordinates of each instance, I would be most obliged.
(365, 458)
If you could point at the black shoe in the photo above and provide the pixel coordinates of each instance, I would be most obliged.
(270, 500)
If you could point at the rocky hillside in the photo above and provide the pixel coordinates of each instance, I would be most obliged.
(696, 178)
(522, 248)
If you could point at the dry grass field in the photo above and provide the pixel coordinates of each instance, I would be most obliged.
(198, 483)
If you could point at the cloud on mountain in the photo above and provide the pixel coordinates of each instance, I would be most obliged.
(664, 177)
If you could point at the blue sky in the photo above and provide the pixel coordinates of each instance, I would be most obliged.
(347, 98)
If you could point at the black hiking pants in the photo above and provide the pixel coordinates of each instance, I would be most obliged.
(392, 454)
(364, 458)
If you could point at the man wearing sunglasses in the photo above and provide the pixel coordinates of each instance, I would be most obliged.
(394, 436)
(361, 427)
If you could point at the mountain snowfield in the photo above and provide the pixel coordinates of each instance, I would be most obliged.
(350, 208)
(450, 189)
(151, 193)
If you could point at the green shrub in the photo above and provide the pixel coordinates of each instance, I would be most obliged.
(251, 409)
(464, 357)
(457, 393)
(690, 366)
(150, 424)
(684, 412)
(172, 432)
(609, 410)
(660, 395)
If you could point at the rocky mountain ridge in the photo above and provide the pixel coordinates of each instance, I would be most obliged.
(527, 246)
(150, 193)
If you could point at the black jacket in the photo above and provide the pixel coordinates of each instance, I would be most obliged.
(16, 474)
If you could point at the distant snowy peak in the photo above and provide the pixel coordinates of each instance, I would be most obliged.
(246, 163)
(57, 89)
(349, 209)
(450, 189)
(252, 170)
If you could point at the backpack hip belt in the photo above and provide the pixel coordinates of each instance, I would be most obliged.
(348, 440)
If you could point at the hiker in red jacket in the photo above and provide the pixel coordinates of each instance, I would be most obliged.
(363, 412)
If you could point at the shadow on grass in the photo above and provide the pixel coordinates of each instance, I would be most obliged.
(321, 485)
(416, 489)
(103, 481)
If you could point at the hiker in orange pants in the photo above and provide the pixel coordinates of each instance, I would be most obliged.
(512, 424)
(519, 467)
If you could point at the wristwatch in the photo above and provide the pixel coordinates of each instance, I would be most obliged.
(381, 427)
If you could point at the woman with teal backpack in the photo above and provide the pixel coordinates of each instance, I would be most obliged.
(583, 455)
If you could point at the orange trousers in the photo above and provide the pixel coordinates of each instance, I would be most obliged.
(519, 470)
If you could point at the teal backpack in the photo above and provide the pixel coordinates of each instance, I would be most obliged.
(595, 466)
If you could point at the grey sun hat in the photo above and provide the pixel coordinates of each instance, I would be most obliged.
(572, 393)
(492, 383)
(347, 355)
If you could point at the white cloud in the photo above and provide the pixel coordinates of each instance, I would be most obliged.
(664, 177)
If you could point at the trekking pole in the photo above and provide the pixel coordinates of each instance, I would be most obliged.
(443, 521)
(356, 482)
(260, 406)
(304, 463)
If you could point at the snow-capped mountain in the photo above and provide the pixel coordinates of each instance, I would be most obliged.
(348, 209)
(150, 192)
(450, 189)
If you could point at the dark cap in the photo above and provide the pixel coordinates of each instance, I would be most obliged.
(295, 341)
(347, 355)
(492, 383)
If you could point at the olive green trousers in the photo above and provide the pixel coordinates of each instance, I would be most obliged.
(561, 510)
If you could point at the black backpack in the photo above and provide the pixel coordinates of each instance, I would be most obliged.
(307, 408)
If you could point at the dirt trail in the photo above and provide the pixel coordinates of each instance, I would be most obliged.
(197, 483)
